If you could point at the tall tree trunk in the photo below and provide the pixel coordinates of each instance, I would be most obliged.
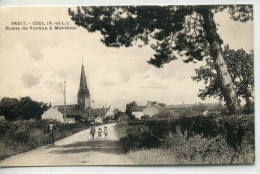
(216, 53)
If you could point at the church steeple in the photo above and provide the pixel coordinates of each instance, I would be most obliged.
(83, 87)
(83, 93)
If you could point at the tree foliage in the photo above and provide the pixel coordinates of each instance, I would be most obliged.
(241, 67)
(128, 109)
(171, 31)
(25, 108)
(167, 29)
(8, 107)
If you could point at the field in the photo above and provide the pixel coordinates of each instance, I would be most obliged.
(190, 140)
(24, 135)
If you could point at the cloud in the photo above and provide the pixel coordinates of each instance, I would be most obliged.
(108, 83)
(36, 53)
(30, 80)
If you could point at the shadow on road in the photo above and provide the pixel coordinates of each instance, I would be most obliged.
(105, 146)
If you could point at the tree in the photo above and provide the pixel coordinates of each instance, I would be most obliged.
(8, 107)
(188, 30)
(128, 109)
(25, 109)
(241, 67)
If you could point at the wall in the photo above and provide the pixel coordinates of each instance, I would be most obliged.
(53, 114)
(138, 114)
(70, 120)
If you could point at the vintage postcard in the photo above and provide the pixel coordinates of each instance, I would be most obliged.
(127, 85)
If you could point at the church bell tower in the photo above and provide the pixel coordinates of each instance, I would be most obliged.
(83, 93)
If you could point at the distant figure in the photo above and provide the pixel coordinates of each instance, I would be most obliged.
(99, 132)
(51, 132)
(92, 130)
(105, 131)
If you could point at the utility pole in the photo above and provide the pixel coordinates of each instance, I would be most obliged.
(65, 114)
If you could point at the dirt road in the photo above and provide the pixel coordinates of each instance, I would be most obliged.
(78, 149)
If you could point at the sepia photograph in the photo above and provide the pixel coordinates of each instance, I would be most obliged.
(127, 85)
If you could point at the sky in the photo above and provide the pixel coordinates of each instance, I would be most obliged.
(36, 63)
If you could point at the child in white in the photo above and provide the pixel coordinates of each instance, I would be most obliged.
(99, 132)
(105, 131)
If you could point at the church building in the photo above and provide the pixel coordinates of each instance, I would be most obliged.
(81, 111)
(84, 101)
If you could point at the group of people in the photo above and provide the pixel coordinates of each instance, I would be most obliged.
(93, 131)
(51, 131)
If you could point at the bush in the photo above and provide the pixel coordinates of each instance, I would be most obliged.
(179, 149)
(233, 128)
(145, 117)
(205, 137)
(24, 135)
(137, 138)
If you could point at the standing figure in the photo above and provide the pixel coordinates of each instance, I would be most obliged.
(92, 130)
(99, 132)
(105, 131)
(51, 132)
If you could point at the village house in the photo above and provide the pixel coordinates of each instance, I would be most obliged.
(73, 114)
(123, 117)
(99, 119)
(110, 112)
(93, 113)
(137, 111)
(153, 107)
(54, 114)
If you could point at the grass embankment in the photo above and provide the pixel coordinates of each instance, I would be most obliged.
(22, 136)
(190, 140)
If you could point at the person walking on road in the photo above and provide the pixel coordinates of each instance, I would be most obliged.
(51, 132)
(92, 130)
(105, 131)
